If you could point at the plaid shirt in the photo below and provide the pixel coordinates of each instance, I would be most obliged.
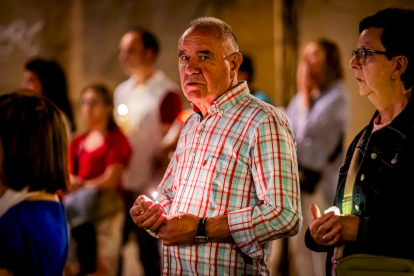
(240, 161)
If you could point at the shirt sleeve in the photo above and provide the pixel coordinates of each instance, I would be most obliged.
(170, 107)
(165, 194)
(119, 151)
(275, 179)
(165, 190)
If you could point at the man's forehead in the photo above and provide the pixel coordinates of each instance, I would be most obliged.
(131, 38)
(201, 36)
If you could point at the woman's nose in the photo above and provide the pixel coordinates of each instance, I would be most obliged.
(353, 64)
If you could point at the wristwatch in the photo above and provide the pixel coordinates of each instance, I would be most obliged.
(201, 236)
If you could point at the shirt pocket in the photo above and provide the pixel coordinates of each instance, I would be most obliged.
(390, 172)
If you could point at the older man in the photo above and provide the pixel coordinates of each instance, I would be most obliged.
(232, 185)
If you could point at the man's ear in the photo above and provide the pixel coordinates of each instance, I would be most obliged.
(235, 61)
(401, 63)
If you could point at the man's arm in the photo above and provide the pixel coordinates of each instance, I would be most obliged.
(275, 178)
(182, 229)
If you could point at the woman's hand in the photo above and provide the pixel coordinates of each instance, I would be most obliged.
(75, 183)
(325, 230)
(350, 225)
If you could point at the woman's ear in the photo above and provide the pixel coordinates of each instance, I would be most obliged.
(401, 63)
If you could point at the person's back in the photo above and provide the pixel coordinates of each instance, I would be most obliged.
(33, 228)
(35, 234)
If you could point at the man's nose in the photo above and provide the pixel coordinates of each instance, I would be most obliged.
(192, 67)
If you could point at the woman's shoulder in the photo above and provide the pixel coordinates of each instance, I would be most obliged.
(26, 212)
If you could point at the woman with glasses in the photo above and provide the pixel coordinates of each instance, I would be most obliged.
(97, 159)
(375, 186)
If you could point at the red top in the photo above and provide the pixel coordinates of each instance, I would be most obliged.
(115, 150)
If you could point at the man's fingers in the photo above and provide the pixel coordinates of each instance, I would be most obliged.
(146, 219)
(159, 222)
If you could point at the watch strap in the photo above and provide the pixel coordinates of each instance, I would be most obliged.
(201, 236)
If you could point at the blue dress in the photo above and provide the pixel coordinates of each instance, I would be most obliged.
(34, 238)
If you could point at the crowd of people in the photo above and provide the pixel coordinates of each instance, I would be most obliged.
(231, 175)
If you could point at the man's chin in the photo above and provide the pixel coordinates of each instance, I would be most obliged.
(192, 94)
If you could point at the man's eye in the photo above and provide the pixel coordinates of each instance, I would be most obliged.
(204, 57)
(184, 57)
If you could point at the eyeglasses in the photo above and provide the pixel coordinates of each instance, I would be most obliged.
(361, 54)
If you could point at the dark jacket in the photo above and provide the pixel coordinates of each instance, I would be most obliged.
(383, 194)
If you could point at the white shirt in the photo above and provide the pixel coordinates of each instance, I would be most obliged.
(137, 112)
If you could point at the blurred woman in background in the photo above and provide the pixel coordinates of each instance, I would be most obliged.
(34, 165)
(319, 115)
(47, 77)
(97, 161)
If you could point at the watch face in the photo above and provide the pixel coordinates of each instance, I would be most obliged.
(201, 239)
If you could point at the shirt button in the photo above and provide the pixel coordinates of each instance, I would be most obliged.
(362, 177)
(373, 155)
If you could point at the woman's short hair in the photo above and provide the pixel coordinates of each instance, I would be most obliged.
(33, 143)
(107, 97)
(397, 37)
(54, 84)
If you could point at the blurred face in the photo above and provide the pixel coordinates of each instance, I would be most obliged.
(374, 76)
(31, 81)
(314, 56)
(132, 53)
(93, 108)
(204, 65)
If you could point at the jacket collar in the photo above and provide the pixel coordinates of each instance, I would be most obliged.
(403, 123)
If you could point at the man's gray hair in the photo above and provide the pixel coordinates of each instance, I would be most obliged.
(223, 27)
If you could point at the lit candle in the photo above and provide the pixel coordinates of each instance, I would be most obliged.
(154, 196)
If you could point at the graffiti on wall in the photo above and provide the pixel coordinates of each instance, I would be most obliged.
(20, 36)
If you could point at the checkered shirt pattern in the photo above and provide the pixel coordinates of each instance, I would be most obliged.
(240, 161)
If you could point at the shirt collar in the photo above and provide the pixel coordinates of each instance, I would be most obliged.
(227, 100)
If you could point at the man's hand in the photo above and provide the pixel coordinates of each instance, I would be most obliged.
(325, 230)
(147, 214)
(179, 229)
